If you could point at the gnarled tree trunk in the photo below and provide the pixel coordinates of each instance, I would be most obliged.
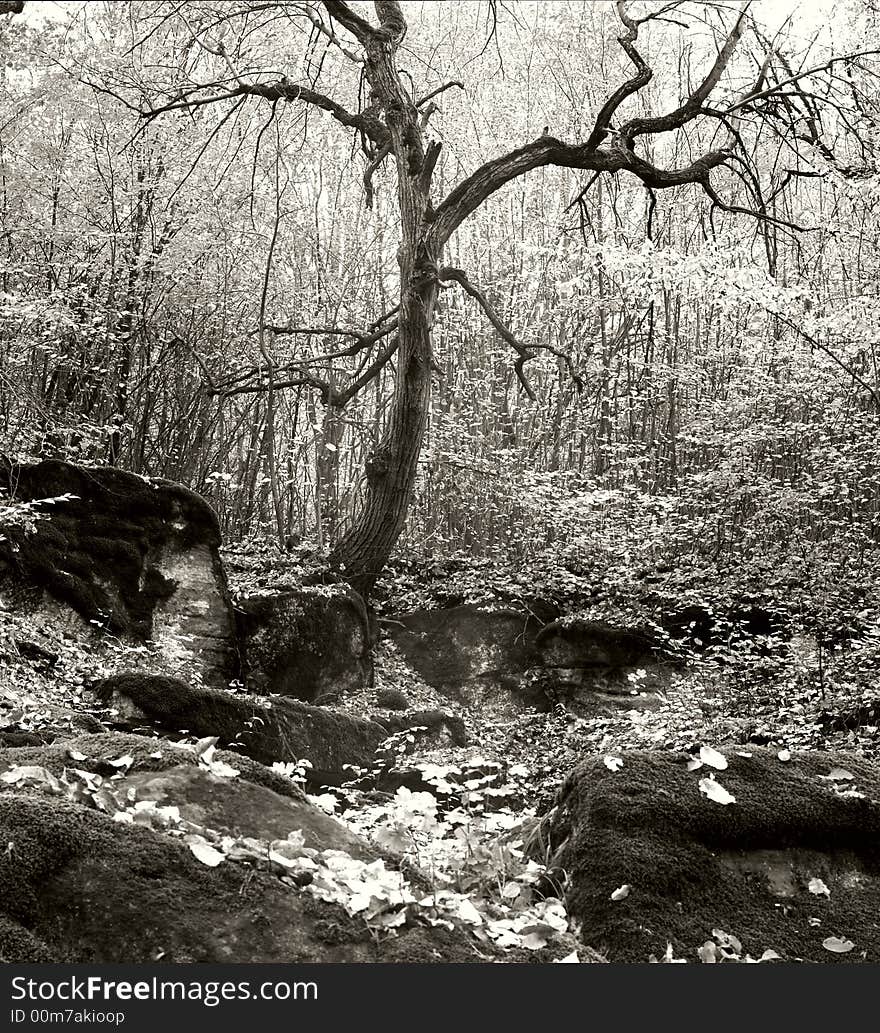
(392, 468)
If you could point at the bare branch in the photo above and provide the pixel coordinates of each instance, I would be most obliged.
(755, 213)
(367, 123)
(524, 352)
(691, 107)
(814, 343)
(438, 91)
(546, 150)
(771, 90)
(362, 340)
(327, 31)
(371, 169)
(643, 76)
(331, 396)
(342, 398)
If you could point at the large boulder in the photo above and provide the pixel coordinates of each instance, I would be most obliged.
(594, 666)
(283, 730)
(467, 652)
(308, 642)
(694, 866)
(439, 726)
(514, 660)
(132, 555)
(589, 644)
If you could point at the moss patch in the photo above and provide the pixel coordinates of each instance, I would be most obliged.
(147, 755)
(464, 645)
(79, 887)
(694, 865)
(436, 722)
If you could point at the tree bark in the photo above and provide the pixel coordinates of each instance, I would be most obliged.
(392, 468)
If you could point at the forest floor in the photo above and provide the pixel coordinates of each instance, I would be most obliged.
(45, 673)
(513, 765)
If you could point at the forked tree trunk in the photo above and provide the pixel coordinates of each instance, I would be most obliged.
(391, 470)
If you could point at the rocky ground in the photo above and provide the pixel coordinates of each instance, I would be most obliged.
(473, 772)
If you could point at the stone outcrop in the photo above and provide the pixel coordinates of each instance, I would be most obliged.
(258, 802)
(309, 642)
(78, 886)
(132, 555)
(588, 644)
(467, 652)
(438, 725)
(513, 658)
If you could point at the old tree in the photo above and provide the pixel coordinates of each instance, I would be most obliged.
(392, 124)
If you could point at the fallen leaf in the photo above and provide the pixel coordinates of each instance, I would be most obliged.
(613, 763)
(390, 920)
(76, 755)
(838, 775)
(818, 887)
(468, 913)
(621, 893)
(784, 755)
(204, 852)
(837, 945)
(708, 953)
(770, 955)
(694, 765)
(743, 753)
(124, 762)
(716, 792)
(205, 744)
(712, 758)
(728, 940)
(221, 769)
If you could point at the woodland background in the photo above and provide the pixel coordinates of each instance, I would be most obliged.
(710, 411)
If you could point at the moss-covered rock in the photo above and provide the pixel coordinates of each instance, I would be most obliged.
(511, 659)
(438, 724)
(80, 887)
(257, 802)
(98, 751)
(693, 865)
(307, 642)
(135, 556)
(391, 699)
(577, 643)
(284, 730)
